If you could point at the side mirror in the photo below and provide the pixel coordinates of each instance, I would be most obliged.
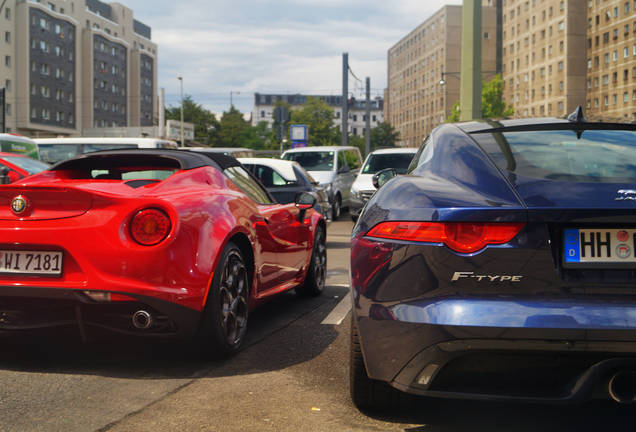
(305, 200)
(383, 176)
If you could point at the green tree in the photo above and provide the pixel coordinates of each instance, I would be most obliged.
(492, 104)
(318, 116)
(233, 128)
(258, 137)
(206, 126)
(384, 135)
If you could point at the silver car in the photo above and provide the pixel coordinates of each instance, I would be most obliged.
(334, 167)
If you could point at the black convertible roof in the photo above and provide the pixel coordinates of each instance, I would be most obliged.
(179, 159)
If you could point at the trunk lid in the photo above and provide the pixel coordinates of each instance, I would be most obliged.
(43, 202)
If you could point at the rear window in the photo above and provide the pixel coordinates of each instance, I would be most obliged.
(378, 162)
(313, 161)
(602, 156)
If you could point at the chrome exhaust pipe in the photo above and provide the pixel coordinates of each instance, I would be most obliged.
(622, 386)
(142, 320)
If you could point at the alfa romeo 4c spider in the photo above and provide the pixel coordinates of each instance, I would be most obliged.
(152, 242)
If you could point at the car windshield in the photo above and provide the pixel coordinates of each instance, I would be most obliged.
(380, 161)
(601, 156)
(313, 161)
(31, 166)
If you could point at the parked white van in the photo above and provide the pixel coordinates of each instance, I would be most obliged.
(53, 150)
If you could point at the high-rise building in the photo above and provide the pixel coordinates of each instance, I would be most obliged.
(543, 67)
(423, 71)
(611, 59)
(71, 65)
(264, 105)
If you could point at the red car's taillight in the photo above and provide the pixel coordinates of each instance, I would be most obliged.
(463, 237)
(150, 226)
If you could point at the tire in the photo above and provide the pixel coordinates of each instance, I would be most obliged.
(226, 311)
(317, 273)
(367, 394)
(336, 209)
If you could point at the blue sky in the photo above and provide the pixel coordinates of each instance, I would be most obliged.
(284, 46)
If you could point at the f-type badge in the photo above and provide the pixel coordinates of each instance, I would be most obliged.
(626, 195)
(19, 204)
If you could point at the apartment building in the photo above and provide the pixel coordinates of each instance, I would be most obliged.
(423, 71)
(264, 105)
(611, 59)
(543, 69)
(69, 65)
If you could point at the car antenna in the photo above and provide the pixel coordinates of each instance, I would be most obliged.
(578, 118)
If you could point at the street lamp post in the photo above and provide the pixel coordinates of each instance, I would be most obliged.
(231, 100)
(182, 135)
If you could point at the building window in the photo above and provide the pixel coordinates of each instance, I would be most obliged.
(625, 97)
(7, 61)
(7, 85)
(7, 13)
(7, 37)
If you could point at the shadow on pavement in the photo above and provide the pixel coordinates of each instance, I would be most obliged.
(60, 351)
(440, 415)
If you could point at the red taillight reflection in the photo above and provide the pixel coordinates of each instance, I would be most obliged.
(463, 237)
(150, 226)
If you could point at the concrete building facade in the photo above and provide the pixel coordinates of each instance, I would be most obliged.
(70, 65)
(423, 71)
(611, 59)
(543, 69)
(264, 105)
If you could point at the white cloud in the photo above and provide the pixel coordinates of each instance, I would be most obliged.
(287, 46)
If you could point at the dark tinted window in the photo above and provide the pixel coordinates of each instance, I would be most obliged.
(247, 184)
(607, 156)
(377, 162)
(313, 161)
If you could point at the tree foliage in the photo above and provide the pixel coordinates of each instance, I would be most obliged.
(492, 104)
(206, 126)
(384, 135)
(233, 128)
(318, 116)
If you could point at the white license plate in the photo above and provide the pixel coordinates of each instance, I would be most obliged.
(31, 262)
(602, 246)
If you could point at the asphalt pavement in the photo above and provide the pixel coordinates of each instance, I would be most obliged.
(292, 375)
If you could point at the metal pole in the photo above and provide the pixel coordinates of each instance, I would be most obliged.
(367, 126)
(470, 86)
(345, 98)
(3, 107)
(182, 135)
(162, 112)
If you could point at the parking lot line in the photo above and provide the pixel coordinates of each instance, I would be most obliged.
(339, 313)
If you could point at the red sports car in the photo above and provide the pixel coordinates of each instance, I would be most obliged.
(152, 242)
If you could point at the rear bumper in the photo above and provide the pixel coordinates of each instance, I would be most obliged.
(30, 308)
(472, 349)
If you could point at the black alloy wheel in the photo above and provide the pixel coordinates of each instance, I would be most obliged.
(317, 273)
(336, 208)
(225, 320)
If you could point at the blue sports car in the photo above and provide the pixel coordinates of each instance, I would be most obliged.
(502, 266)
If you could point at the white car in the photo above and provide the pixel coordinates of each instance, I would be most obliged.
(362, 188)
